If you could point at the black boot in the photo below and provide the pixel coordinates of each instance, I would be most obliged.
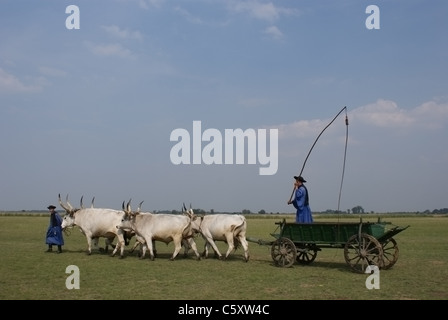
(59, 249)
(50, 248)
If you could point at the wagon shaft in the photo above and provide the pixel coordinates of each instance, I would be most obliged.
(390, 233)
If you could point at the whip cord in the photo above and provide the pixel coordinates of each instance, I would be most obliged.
(315, 141)
(345, 156)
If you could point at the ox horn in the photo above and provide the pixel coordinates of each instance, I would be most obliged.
(68, 203)
(93, 200)
(184, 207)
(80, 203)
(139, 206)
(62, 205)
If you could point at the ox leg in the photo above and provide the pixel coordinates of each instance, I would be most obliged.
(177, 248)
(212, 243)
(186, 245)
(245, 247)
(120, 244)
(230, 244)
(150, 244)
(117, 246)
(136, 244)
(89, 244)
(205, 252)
(190, 243)
(107, 243)
(143, 248)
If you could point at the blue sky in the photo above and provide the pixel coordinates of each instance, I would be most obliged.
(89, 111)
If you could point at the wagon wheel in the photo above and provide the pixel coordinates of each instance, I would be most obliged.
(390, 253)
(306, 254)
(283, 252)
(363, 251)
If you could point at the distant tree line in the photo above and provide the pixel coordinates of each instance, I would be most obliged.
(355, 210)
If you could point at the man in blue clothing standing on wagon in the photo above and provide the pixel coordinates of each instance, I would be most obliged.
(301, 201)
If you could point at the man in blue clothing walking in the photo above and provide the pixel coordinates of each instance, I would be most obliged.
(54, 231)
(301, 201)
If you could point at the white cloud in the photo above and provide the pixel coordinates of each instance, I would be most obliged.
(386, 113)
(188, 16)
(264, 11)
(431, 114)
(52, 72)
(382, 113)
(117, 32)
(146, 4)
(115, 49)
(274, 32)
(11, 84)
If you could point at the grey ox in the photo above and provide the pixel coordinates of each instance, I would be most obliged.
(149, 227)
(95, 223)
(230, 228)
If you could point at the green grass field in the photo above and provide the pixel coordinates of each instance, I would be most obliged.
(28, 273)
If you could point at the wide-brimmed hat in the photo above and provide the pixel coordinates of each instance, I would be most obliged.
(300, 178)
(51, 207)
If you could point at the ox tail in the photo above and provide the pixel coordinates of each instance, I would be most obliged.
(237, 229)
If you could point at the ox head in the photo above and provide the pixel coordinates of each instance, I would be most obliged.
(128, 217)
(69, 218)
(189, 213)
(195, 220)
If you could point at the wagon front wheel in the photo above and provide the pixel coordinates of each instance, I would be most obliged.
(283, 252)
(390, 253)
(362, 251)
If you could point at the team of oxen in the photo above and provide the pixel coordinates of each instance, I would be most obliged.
(147, 227)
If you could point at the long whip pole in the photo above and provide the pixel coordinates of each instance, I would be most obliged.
(309, 152)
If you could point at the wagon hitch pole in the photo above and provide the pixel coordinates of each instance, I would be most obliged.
(309, 152)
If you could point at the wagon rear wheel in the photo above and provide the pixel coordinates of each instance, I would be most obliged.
(306, 253)
(283, 252)
(390, 253)
(363, 251)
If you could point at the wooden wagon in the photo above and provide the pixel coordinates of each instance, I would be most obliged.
(365, 244)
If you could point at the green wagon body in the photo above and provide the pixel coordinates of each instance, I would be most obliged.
(365, 244)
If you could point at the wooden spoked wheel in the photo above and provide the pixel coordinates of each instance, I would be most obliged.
(390, 253)
(306, 254)
(362, 251)
(283, 252)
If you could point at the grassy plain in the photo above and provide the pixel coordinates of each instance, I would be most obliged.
(28, 273)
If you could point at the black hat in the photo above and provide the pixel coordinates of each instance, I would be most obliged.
(300, 178)
(51, 207)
